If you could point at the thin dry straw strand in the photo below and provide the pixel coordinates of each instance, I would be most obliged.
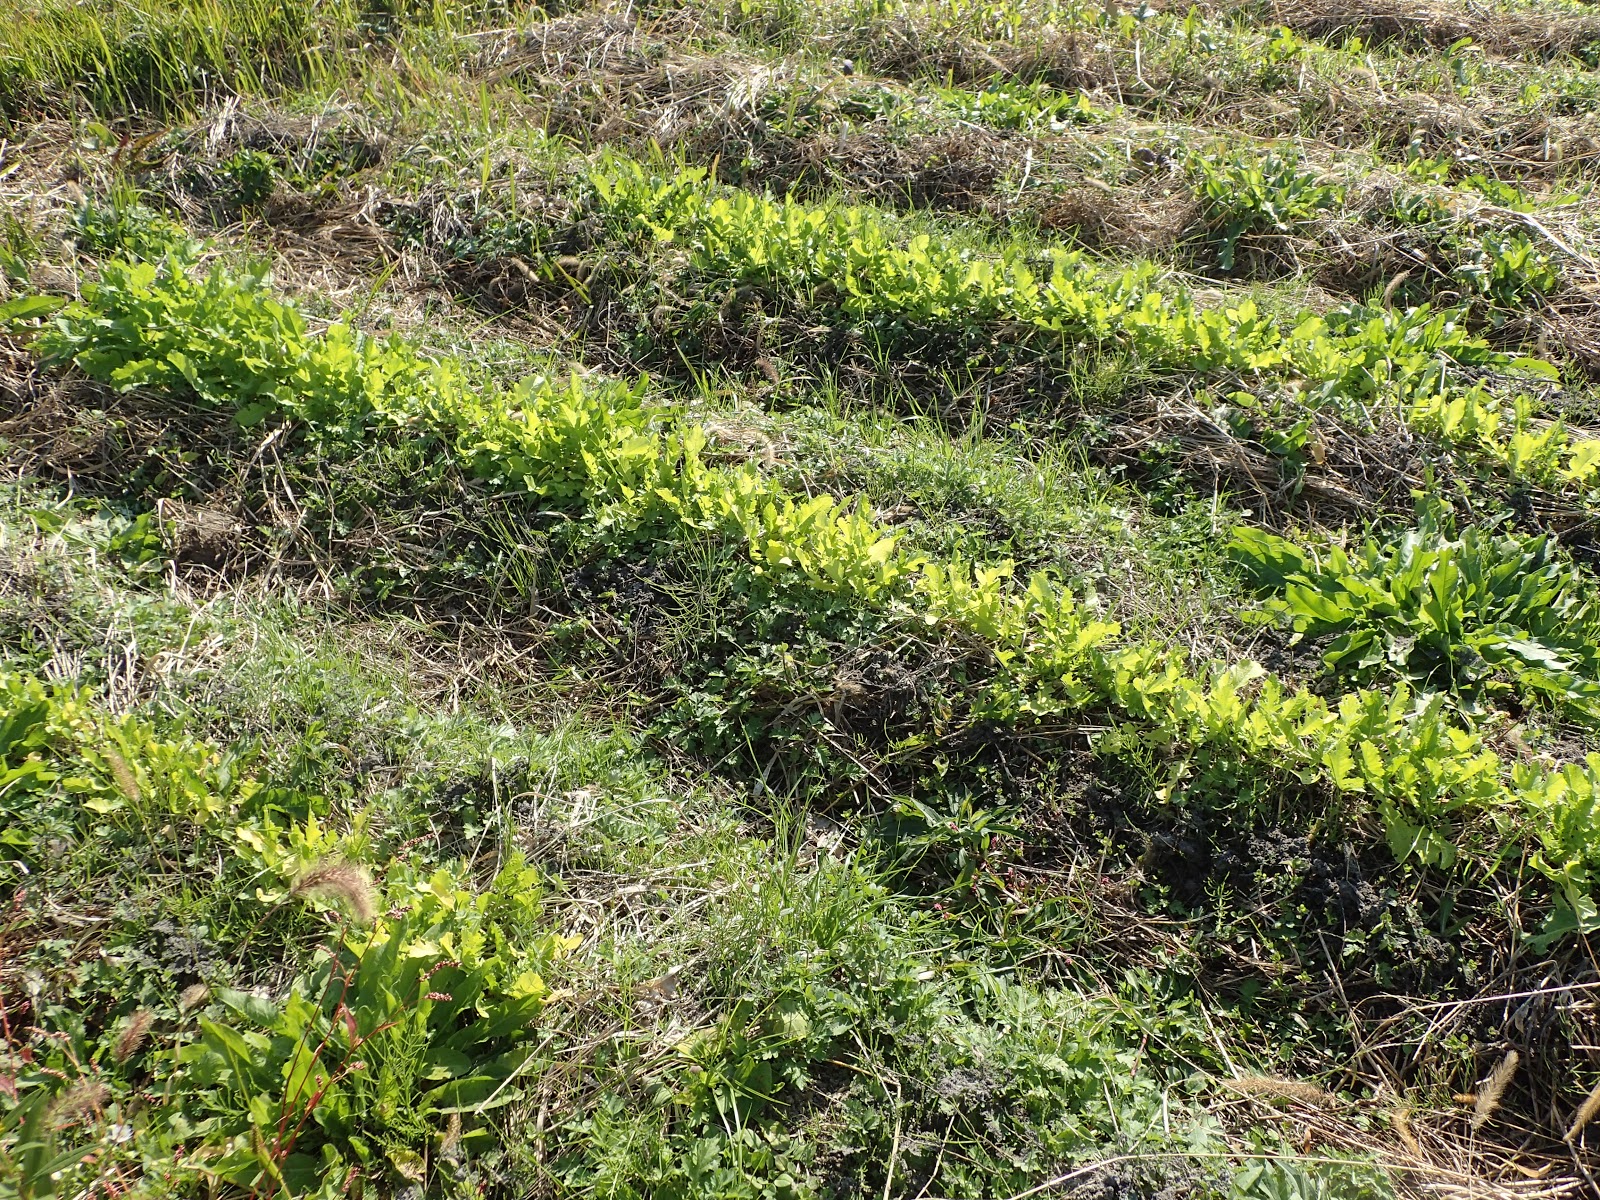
(132, 1035)
(1493, 1088)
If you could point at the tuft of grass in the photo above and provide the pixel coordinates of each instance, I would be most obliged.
(164, 57)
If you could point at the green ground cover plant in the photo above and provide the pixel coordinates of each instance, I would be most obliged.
(1345, 360)
(432, 996)
(714, 601)
(1450, 612)
(429, 990)
(1273, 195)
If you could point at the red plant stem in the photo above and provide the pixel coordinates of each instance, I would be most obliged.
(344, 990)
(316, 1056)
(5, 1021)
(345, 1070)
(285, 1140)
(284, 1143)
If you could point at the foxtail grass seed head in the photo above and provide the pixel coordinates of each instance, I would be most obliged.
(1400, 1122)
(345, 882)
(1493, 1089)
(127, 783)
(1279, 1089)
(77, 1101)
(132, 1035)
(1586, 1113)
(193, 995)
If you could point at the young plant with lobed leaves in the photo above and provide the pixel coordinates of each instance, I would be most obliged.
(413, 1012)
(855, 260)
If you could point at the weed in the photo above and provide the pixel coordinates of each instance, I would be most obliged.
(1459, 612)
(440, 761)
(1273, 195)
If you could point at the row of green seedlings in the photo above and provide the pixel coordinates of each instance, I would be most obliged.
(636, 473)
(1352, 360)
(1247, 193)
(228, 1087)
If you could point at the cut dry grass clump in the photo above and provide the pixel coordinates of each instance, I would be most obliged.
(956, 171)
(60, 425)
(1441, 25)
(54, 425)
(582, 44)
(1146, 222)
(600, 79)
(907, 45)
(573, 42)
(1568, 326)
(336, 137)
(1510, 144)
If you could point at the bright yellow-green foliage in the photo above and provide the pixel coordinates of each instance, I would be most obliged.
(56, 740)
(118, 767)
(858, 255)
(227, 341)
(858, 259)
(632, 470)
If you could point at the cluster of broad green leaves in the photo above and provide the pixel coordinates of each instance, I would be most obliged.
(1501, 269)
(1507, 269)
(1011, 105)
(857, 259)
(597, 447)
(1466, 612)
(1245, 195)
(860, 261)
(398, 1029)
(395, 1035)
(70, 773)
